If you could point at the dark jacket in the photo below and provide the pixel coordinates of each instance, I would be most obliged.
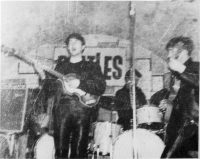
(189, 81)
(91, 78)
(183, 106)
(123, 105)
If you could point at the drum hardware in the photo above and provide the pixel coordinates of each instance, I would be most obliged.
(104, 135)
(105, 130)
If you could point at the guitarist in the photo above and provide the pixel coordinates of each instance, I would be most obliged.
(71, 118)
(184, 72)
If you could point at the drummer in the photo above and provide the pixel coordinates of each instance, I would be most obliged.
(122, 100)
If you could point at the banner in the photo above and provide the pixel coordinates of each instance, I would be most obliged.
(112, 62)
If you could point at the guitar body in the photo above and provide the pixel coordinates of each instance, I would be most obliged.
(87, 100)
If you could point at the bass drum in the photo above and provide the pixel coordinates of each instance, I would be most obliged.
(148, 145)
(44, 148)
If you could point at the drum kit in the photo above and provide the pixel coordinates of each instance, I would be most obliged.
(109, 139)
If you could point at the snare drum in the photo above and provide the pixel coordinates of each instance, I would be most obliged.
(149, 114)
(104, 135)
(148, 145)
(150, 118)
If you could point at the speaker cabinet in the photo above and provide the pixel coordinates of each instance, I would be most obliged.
(13, 105)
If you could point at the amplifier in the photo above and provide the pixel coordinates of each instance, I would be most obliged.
(13, 104)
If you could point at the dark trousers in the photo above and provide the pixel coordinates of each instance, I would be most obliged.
(71, 129)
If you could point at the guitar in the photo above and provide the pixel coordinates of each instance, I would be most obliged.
(187, 130)
(87, 100)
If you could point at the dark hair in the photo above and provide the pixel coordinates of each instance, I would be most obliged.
(128, 74)
(75, 36)
(186, 42)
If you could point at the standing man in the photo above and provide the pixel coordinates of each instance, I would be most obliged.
(71, 117)
(123, 103)
(185, 81)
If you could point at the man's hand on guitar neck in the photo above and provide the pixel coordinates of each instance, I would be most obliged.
(165, 107)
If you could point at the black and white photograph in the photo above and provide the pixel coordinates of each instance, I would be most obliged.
(99, 79)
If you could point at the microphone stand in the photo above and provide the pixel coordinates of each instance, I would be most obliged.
(132, 75)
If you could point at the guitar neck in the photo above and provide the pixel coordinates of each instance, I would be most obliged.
(52, 72)
(34, 62)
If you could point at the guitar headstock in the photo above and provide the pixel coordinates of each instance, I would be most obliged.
(7, 51)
